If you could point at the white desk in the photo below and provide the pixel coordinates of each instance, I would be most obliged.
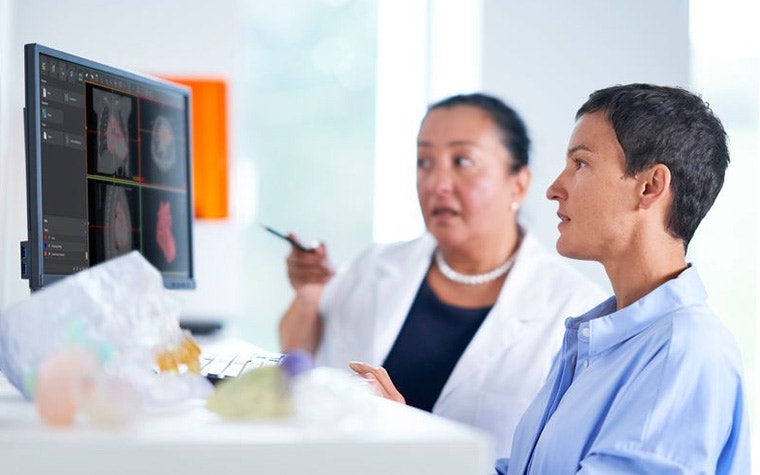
(191, 440)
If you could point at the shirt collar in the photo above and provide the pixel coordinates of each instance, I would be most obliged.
(608, 327)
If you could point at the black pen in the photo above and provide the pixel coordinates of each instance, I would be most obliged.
(291, 240)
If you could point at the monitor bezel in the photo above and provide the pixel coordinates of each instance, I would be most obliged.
(33, 139)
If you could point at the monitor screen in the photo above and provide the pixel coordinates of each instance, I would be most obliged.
(108, 168)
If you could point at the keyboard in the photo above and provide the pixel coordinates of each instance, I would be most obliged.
(219, 365)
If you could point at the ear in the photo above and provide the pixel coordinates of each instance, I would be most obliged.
(654, 186)
(520, 184)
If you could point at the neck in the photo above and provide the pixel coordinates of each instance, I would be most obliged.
(644, 269)
(482, 254)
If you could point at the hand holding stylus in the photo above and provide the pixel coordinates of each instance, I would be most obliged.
(307, 264)
(309, 267)
(291, 238)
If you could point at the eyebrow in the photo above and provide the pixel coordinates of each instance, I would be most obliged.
(453, 143)
(577, 148)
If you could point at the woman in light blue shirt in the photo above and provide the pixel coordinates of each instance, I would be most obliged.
(649, 381)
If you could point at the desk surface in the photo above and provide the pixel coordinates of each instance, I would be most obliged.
(190, 440)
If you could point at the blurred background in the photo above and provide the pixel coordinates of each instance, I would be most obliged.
(322, 102)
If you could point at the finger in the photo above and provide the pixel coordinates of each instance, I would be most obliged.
(294, 238)
(308, 266)
(367, 374)
(385, 381)
(307, 262)
(362, 368)
(382, 377)
(309, 272)
(303, 278)
(297, 257)
(370, 381)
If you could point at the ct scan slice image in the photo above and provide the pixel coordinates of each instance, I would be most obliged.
(113, 113)
(164, 235)
(118, 225)
(162, 149)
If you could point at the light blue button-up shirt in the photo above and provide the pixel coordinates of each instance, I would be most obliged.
(655, 387)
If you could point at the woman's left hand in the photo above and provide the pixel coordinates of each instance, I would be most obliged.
(380, 380)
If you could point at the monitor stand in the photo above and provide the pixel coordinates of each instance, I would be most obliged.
(200, 327)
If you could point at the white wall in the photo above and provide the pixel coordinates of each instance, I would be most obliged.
(427, 50)
(12, 172)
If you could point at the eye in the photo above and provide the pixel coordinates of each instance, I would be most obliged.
(462, 161)
(579, 163)
(423, 163)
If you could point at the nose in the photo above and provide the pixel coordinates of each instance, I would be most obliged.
(438, 179)
(556, 190)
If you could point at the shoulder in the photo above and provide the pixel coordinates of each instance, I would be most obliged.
(688, 357)
(379, 259)
(698, 336)
(379, 254)
(399, 266)
(694, 376)
(694, 327)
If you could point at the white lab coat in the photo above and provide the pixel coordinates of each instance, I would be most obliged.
(508, 359)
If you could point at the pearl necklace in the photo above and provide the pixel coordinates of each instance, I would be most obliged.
(476, 279)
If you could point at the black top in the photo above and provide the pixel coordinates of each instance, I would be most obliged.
(429, 345)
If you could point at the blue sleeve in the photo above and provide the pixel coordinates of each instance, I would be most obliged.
(502, 466)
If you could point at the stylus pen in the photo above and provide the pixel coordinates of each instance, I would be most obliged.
(291, 240)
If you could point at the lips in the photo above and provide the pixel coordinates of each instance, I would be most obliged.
(443, 211)
(563, 220)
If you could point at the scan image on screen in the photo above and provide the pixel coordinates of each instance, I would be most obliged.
(161, 144)
(111, 122)
(164, 218)
(114, 220)
(164, 235)
(162, 150)
(108, 168)
(118, 225)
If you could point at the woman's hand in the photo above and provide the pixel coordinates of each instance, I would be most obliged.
(309, 267)
(380, 380)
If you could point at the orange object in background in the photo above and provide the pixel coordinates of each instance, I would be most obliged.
(210, 155)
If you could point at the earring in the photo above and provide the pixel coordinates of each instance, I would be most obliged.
(515, 206)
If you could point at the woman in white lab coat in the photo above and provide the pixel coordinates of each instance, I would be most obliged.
(463, 321)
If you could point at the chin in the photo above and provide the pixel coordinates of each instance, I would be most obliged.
(566, 249)
(446, 237)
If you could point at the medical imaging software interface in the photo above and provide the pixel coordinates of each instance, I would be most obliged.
(114, 170)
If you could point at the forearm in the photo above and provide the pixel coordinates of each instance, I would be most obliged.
(300, 326)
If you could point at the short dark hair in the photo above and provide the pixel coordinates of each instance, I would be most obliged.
(514, 134)
(675, 127)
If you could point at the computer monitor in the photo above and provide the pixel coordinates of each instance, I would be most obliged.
(108, 160)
